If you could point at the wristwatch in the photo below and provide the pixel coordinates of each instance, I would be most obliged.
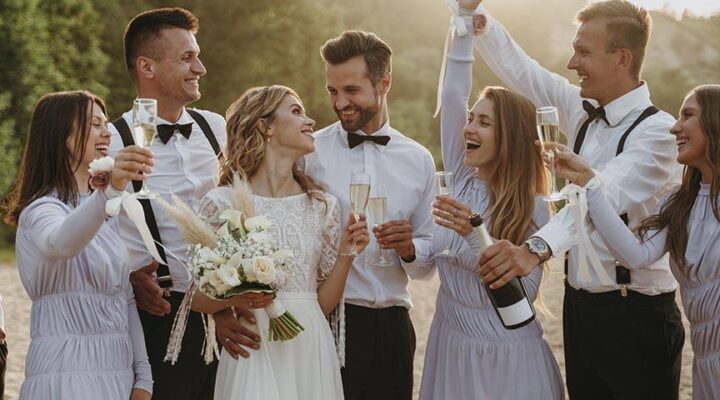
(538, 247)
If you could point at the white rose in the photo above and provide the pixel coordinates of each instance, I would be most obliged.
(248, 270)
(264, 268)
(229, 275)
(258, 223)
(209, 255)
(104, 164)
(216, 281)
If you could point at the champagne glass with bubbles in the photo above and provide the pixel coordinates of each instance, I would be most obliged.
(548, 127)
(377, 206)
(359, 195)
(444, 181)
(144, 115)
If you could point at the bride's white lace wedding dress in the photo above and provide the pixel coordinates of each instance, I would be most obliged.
(306, 367)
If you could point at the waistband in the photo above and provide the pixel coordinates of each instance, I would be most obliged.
(615, 297)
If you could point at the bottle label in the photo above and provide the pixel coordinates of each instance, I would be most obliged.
(516, 313)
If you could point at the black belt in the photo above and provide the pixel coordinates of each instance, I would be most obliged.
(616, 297)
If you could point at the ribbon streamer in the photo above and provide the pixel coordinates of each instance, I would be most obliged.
(586, 251)
(134, 211)
(457, 26)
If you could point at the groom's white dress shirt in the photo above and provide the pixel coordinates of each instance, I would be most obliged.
(187, 168)
(408, 171)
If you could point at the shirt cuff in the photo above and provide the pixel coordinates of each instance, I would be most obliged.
(112, 193)
(554, 234)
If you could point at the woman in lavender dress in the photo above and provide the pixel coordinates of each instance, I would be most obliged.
(687, 225)
(498, 172)
(87, 342)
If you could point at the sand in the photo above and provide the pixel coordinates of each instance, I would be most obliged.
(17, 325)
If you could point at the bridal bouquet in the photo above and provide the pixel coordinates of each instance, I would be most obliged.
(238, 257)
(244, 259)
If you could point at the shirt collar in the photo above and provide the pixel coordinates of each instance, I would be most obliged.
(384, 130)
(618, 109)
(184, 119)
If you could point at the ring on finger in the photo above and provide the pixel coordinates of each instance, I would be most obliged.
(226, 340)
(251, 304)
(454, 212)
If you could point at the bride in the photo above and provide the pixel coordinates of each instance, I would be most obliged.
(268, 133)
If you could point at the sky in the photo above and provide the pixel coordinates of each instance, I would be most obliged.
(698, 7)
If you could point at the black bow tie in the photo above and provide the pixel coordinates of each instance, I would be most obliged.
(354, 139)
(165, 131)
(594, 113)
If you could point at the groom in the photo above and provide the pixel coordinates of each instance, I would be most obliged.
(162, 58)
(380, 338)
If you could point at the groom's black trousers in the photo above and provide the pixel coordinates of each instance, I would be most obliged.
(190, 378)
(379, 351)
(619, 348)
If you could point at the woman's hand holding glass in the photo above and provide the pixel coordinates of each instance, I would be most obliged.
(568, 165)
(355, 235)
(452, 214)
(132, 163)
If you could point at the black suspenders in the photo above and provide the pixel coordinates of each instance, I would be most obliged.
(622, 274)
(163, 272)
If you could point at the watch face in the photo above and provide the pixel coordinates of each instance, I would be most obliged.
(538, 245)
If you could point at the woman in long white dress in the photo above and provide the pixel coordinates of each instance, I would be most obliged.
(268, 133)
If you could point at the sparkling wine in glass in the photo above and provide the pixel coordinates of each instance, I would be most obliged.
(548, 126)
(377, 205)
(359, 195)
(144, 114)
(444, 181)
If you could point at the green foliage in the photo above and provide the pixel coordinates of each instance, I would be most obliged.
(48, 45)
(68, 44)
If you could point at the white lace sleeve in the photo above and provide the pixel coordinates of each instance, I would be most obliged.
(213, 204)
(331, 239)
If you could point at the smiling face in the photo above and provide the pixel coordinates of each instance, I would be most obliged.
(479, 132)
(691, 141)
(177, 75)
(98, 138)
(358, 104)
(595, 67)
(290, 131)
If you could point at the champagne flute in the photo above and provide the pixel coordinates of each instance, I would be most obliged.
(377, 205)
(548, 127)
(144, 114)
(359, 194)
(445, 188)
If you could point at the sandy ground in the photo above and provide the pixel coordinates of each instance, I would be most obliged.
(17, 324)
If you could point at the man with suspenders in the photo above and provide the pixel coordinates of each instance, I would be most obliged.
(161, 55)
(624, 339)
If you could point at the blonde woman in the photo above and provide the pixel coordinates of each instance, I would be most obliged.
(499, 173)
(268, 133)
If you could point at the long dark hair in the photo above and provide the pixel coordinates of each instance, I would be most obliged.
(675, 213)
(47, 165)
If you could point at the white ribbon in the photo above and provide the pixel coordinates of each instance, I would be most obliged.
(586, 251)
(457, 25)
(134, 211)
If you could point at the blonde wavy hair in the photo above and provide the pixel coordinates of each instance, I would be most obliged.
(247, 144)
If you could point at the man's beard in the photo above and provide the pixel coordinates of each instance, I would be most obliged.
(364, 116)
